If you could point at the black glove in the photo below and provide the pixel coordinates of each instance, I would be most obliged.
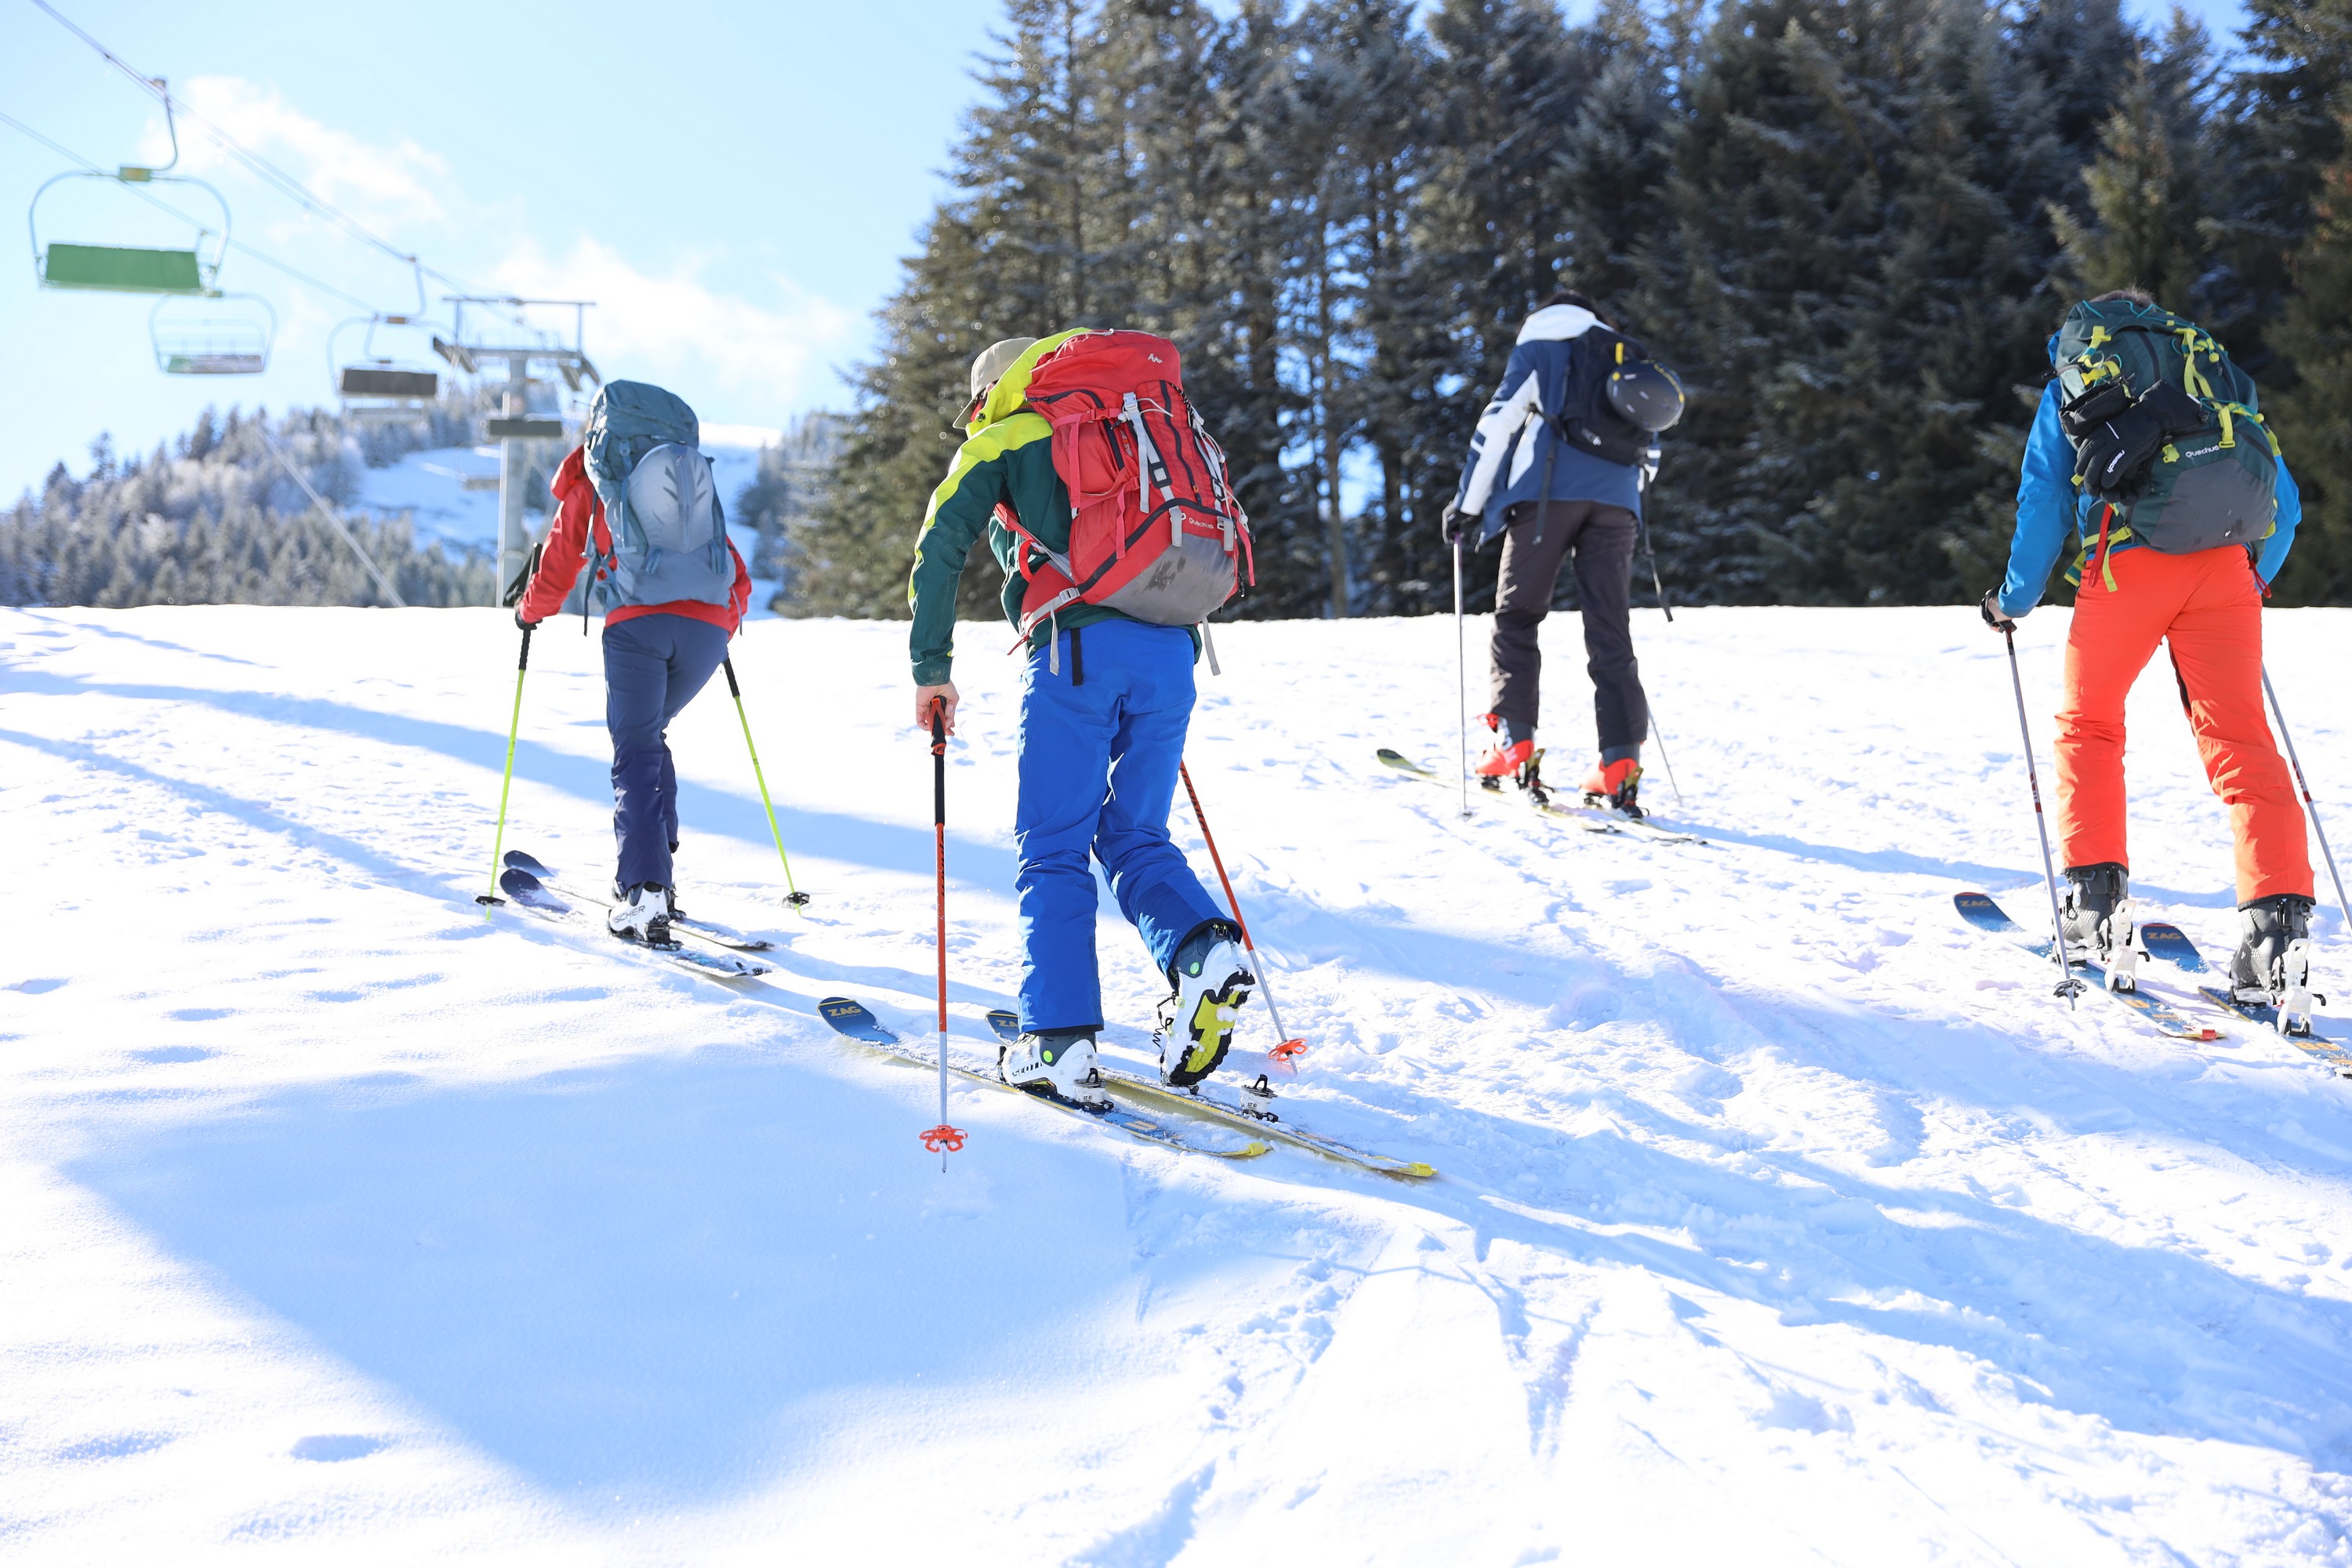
(2114, 454)
(1449, 522)
(524, 624)
(1989, 607)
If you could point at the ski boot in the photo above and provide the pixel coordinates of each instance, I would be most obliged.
(2273, 963)
(2087, 905)
(1059, 1065)
(641, 914)
(1615, 785)
(1196, 1024)
(1507, 758)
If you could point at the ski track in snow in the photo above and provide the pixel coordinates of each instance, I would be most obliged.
(1783, 1219)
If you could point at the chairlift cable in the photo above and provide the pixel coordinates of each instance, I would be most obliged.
(161, 206)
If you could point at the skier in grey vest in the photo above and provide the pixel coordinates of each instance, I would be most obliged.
(673, 591)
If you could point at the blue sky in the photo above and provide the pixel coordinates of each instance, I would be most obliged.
(734, 183)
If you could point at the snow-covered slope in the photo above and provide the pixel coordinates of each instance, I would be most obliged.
(450, 493)
(1782, 1219)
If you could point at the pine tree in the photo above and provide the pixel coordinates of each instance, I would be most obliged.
(2314, 419)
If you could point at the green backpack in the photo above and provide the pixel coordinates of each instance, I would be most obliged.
(2201, 470)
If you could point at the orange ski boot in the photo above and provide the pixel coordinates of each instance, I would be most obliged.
(1613, 785)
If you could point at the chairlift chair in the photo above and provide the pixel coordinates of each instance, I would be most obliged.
(379, 389)
(217, 334)
(132, 269)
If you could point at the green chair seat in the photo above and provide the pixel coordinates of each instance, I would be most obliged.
(122, 268)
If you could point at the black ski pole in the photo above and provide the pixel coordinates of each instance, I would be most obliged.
(2067, 984)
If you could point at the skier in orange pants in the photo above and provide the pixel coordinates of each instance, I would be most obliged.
(2090, 469)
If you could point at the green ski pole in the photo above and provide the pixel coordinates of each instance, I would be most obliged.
(792, 895)
(490, 901)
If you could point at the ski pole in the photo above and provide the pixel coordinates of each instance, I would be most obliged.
(490, 901)
(1659, 735)
(792, 895)
(2049, 876)
(1289, 1047)
(1461, 683)
(942, 1138)
(2309, 805)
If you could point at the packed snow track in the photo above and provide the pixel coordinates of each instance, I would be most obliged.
(1781, 1218)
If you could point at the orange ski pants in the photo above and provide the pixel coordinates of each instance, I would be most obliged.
(2209, 607)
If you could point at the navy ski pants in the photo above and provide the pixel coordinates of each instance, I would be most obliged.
(652, 666)
(1100, 743)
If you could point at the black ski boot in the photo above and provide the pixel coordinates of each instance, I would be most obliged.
(2087, 909)
(2267, 963)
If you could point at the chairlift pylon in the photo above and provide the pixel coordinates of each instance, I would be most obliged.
(214, 334)
(132, 269)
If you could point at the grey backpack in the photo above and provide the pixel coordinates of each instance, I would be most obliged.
(661, 504)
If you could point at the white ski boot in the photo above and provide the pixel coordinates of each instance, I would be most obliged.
(1196, 1026)
(2272, 963)
(1062, 1065)
(641, 914)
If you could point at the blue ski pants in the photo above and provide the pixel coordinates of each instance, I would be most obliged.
(1100, 743)
(652, 666)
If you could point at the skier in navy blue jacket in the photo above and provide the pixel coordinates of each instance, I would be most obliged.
(1554, 501)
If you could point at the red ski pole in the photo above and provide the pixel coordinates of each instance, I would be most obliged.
(1289, 1047)
(942, 1138)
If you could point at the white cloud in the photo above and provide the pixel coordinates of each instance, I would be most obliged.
(677, 329)
(380, 186)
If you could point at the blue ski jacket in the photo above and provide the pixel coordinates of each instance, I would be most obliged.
(1519, 432)
(2053, 513)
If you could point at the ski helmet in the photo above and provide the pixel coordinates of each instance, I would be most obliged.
(1646, 393)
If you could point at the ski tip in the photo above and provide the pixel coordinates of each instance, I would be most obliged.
(1415, 1169)
(846, 1015)
(1006, 1024)
(516, 861)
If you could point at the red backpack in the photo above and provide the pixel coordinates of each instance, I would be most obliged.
(1156, 532)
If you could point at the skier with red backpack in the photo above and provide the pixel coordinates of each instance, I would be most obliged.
(1106, 504)
(636, 506)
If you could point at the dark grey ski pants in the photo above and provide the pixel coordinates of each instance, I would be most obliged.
(1600, 539)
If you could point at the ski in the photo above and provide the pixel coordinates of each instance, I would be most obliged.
(1591, 819)
(1253, 1114)
(1985, 915)
(708, 930)
(856, 1021)
(2171, 943)
(533, 895)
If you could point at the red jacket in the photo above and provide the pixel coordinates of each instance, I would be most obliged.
(577, 510)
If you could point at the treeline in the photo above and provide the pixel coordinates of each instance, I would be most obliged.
(1850, 224)
(214, 519)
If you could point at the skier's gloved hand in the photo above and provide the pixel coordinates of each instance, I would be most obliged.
(1449, 522)
(522, 624)
(2113, 455)
(1989, 607)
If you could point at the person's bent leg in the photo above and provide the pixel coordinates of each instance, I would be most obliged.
(1156, 887)
(1534, 544)
(1604, 582)
(2217, 652)
(636, 704)
(2113, 633)
(1063, 766)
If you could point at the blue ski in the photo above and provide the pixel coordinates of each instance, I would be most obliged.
(1981, 912)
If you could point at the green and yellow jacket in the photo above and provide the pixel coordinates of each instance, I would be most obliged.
(1006, 459)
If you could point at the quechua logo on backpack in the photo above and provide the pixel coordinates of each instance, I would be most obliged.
(1156, 532)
